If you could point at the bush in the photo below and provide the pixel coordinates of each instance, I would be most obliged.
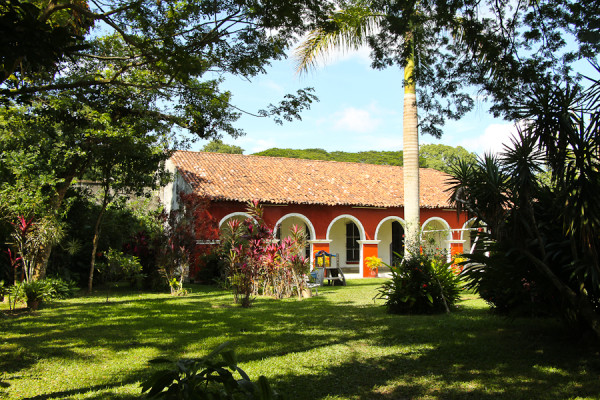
(209, 377)
(421, 285)
(118, 267)
(507, 281)
(36, 292)
(61, 289)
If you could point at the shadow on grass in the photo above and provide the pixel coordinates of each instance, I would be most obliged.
(468, 354)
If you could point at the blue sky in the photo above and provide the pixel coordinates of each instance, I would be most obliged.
(360, 109)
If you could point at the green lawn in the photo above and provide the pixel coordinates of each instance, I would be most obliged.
(339, 345)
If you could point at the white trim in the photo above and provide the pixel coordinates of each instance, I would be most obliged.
(393, 218)
(449, 237)
(361, 229)
(208, 242)
(309, 224)
(319, 241)
(438, 230)
(236, 214)
(311, 231)
(368, 241)
(464, 227)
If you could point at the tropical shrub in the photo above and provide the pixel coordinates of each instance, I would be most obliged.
(31, 237)
(421, 285)
(255, 264)
(540, 254)
(36, 292)
(118, 267)
(178, 254)
(209, 377)
(61, 289)
(15, 295)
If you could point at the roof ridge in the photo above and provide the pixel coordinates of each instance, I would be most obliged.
(297, 159)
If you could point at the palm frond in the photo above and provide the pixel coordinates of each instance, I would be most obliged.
(348, 28)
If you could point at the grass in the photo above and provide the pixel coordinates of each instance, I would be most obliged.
(339, 345)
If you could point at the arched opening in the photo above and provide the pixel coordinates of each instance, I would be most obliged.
(435, 237)
(284, 226)
(345, 232)
(469, 234)
(390, 233)
(240, 216)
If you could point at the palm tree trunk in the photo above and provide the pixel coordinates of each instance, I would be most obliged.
(411, 163)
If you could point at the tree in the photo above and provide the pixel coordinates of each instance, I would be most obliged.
(59, 138)
(449, 49)
(154, 66)
(542, 248)
(177, 52)
(217, 146)
(443, 157)
(351, 28)
(126, 163)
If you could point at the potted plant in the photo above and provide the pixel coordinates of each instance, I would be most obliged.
(373, 264)
(36, 292)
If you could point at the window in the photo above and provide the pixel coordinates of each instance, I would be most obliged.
(307, 235)
(352, 246)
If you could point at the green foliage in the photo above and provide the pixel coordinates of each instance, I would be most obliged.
(421, 285)
(217, 146)
(436, 156)
(134, 48)
(15, 294)
(119, 266)
(36, 292)
(61, 289)
(367, 157)
(209, 377)
(443, 157)
(542, 242)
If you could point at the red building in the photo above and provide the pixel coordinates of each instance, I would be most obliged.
(351, 209)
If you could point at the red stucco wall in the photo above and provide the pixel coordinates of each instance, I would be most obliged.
(321, 216)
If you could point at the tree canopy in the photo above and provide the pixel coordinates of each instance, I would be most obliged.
(436, 156)
(217, 146)
(465, 51)
(179, 52)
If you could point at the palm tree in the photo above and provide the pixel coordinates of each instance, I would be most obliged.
(352, 27)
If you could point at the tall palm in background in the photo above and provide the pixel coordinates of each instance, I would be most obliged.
(350, 28)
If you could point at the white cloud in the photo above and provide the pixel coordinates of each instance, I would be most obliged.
(272, 85)
(493, 139)
(355, 120)
(251, 145)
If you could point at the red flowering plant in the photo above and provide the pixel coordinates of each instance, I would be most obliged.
(31, 238)
(421, 284)
(257, 264)
(178, 254)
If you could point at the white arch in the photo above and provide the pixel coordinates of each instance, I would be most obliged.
(447, 227)
(236, 214)
(446, 224)
(361, 229)
(465, 227)
(391, 217)
(309, 224)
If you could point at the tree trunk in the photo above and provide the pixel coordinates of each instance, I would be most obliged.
(411, 164)
(41, 264)
(97, 239)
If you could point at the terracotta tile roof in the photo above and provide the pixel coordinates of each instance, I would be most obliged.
(288, 180)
